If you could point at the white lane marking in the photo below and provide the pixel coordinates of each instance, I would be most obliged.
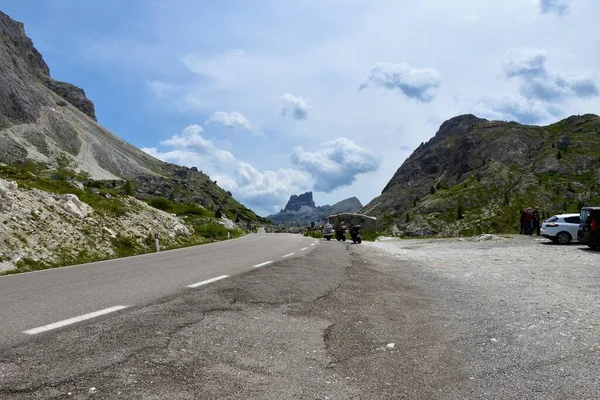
(195, 285)
(263, 264)
(73, 320)
(287, 255)
(312, 244)
(304, 248)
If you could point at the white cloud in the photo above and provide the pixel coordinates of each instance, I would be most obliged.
(335, 163)
(559, 7)
(296, 106)
(418, 84)
(542, 93)
(230, 120)
(258, 190)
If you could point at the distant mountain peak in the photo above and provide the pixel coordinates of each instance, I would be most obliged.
(301, 209)
(297, 201)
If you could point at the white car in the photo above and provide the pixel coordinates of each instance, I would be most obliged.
(561, 228)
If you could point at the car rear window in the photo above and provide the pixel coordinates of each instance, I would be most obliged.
(552, 219)
(584, 216)
(572, 220)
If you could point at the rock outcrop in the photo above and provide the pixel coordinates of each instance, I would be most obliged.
(297, 201)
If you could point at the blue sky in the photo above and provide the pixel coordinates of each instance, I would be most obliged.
(276, 97)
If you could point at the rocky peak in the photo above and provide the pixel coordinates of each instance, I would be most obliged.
(458, 125)
(297, 201)
(13, 35)
(23, 65)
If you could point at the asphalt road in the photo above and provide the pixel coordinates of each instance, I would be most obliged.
(32, 302)
(406, 319)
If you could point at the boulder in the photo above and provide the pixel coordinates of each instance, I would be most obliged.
(6, 197)
(75, 207)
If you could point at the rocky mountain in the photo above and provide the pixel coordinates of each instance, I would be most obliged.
(474, 176)
(53, 125)
(301, 209)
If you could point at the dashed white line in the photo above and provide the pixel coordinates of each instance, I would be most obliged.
(195, 285)
(287, 255)
(304, 248)
(312, 244)
(73, 320)
(262, 264)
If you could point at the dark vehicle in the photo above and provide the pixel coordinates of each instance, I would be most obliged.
(328, 231)
(340, 233)
(589, 226)
(355, 234)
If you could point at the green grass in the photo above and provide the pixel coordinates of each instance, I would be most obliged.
(167, 205)
(314, 234)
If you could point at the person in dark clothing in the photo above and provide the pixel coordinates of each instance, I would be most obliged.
(536, 222)
(522, 231)
(528, 220)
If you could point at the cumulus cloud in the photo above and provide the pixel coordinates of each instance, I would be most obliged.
(230, 120)
(335, 163)
(297, 107)
(536, 82)
(541, 92)
(560, 7)
(417, 84)
(258, 190)
(514, 109)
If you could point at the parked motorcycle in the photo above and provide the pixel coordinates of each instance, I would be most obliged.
(355, 234)
(340, 233)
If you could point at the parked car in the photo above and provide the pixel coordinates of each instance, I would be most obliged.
(328, 231)
(561, 228)
(589, 225)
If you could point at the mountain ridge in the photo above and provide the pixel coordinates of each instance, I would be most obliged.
(53, 124)
(301, 209)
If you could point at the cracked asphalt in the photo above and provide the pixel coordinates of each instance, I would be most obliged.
(417, 319)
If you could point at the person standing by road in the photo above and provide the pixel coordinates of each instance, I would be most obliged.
(536, 222)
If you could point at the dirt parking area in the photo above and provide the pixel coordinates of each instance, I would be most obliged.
(519, 316)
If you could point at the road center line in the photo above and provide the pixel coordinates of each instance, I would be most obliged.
(211, 280)
(263, 264)
(287, 255)
(73, 320)
(312, 244)
(304, 248)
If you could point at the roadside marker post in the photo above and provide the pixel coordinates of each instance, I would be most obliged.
(157, 243)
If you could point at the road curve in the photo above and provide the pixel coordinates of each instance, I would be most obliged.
(32, 303)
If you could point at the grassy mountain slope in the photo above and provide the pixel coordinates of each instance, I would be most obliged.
(476, 175)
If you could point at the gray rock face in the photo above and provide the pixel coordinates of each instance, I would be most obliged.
(74, 95)
(297, 201)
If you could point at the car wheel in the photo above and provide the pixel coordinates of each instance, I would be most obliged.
(592, 246)
(563, 238)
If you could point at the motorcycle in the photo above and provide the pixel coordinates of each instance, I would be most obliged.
(355, 234)
(340, 233)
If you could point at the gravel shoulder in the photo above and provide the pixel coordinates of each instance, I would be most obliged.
(418, 319)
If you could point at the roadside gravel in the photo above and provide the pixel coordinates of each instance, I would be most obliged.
(520, 314)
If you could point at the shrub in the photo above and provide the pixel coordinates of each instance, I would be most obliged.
(211, 231)
(161, 203)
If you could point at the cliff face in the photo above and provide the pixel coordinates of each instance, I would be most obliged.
(475, 175)
(53, 123)
(297, 201)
